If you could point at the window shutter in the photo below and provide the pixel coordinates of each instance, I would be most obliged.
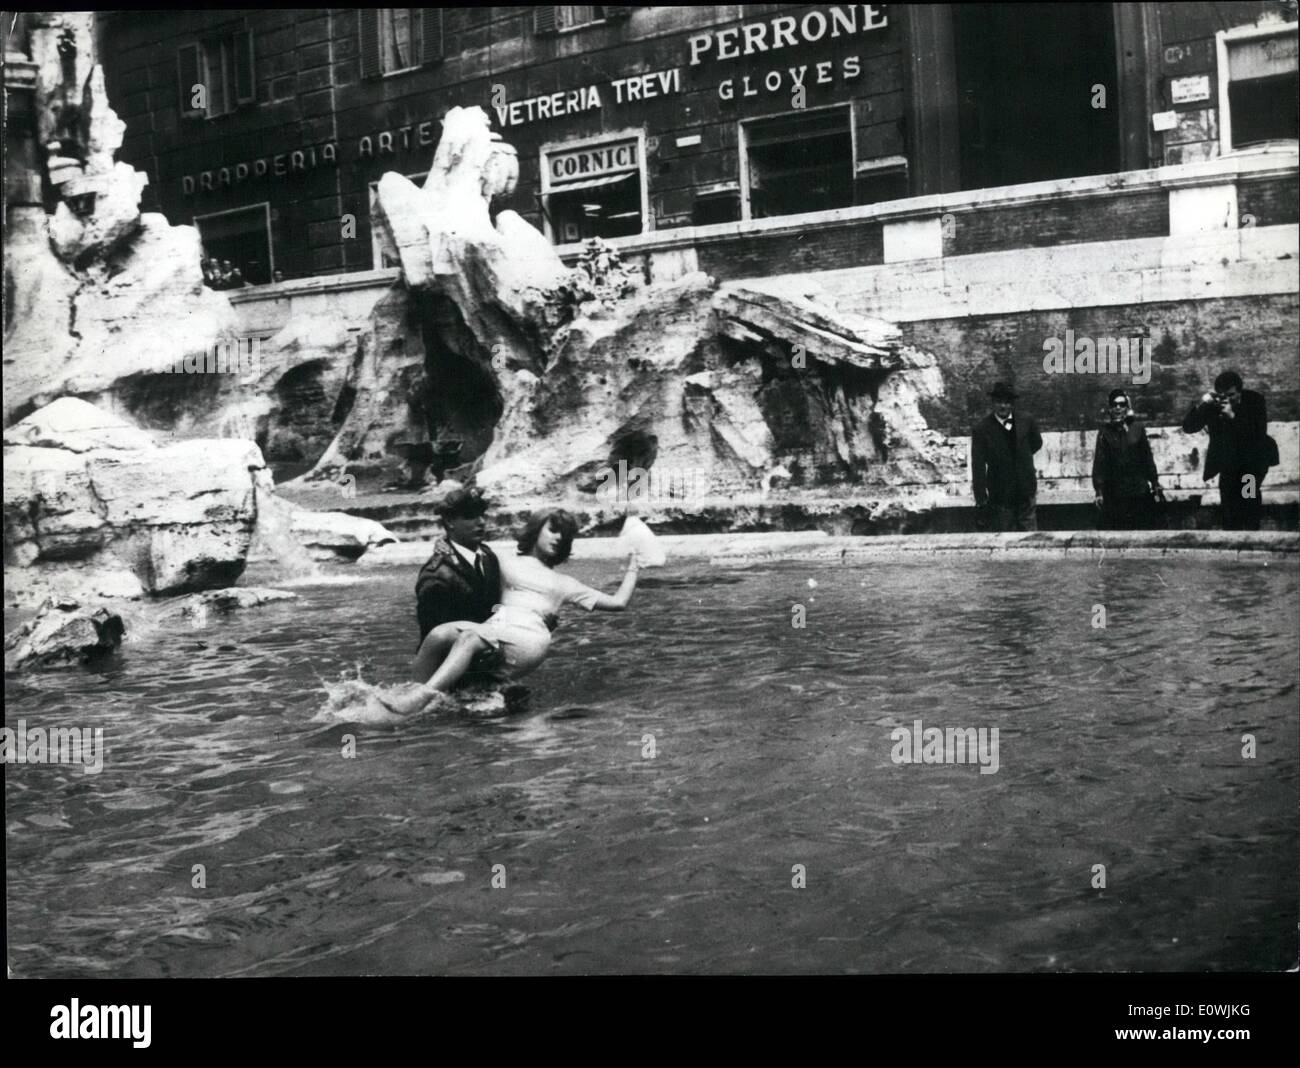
(370, 42)
(245, 80)
(544, 20)
(432, 42)
(189, 65)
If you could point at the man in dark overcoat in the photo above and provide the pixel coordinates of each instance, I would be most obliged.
(1003, 478)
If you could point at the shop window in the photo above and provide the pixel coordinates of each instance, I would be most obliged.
(241, 237)
(216, 75)
(798, 163)
(593, 191)
(397, 39)
(383, 253)
(1258, 85)
(720, 205)
(882, 179)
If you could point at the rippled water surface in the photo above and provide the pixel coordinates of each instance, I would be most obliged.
(1119, 746)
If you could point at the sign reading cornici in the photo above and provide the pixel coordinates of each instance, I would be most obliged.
(593, 162)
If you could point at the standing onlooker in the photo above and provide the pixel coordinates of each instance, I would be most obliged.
(1240, 452)
(1003, 478)
(1123, 470)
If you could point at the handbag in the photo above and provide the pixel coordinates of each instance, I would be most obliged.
(1271, 456)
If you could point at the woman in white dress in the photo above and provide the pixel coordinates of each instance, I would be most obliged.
(530, 589)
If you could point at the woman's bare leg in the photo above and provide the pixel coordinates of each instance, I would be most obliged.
(457, 662)
(435, 647)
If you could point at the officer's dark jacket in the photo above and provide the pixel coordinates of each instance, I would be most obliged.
(448, 589)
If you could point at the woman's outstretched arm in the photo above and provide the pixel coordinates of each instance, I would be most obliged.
(616, 603)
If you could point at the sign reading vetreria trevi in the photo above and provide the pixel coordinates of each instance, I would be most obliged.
(745, 39)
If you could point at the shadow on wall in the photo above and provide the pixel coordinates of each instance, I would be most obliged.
(306, 416)
(460, 399)
(162, 401)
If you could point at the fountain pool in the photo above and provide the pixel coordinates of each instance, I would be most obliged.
(683, 766)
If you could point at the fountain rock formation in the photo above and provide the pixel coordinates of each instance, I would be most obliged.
(98, 294)
(63, 633)
(749, 388)
(93, 507)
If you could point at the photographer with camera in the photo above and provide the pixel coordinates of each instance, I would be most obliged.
(1240, 452)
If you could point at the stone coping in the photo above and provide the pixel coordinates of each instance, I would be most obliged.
(1221, 170)
(1278, 162)
(818, 545)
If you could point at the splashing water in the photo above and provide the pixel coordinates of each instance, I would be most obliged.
(273, 538)
(353, 700)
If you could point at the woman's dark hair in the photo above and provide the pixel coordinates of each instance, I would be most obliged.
(562, 522)
(1115, 395)
(1227, 380)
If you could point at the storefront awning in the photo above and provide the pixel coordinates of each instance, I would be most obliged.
(590, 183)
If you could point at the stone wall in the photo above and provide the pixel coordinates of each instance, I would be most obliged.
(1194, 341)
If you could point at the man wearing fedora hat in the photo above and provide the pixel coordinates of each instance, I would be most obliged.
(1003, 478)
(461, 580)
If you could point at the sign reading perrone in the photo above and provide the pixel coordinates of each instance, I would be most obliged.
(785, 31)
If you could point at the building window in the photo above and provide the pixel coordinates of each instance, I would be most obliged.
(716, 204)
(240, 240)
(881, 179)
(594, 189)
(383, 253)
(216, 75)
(1258, 84)
(797, 163)
(397, 39)
(551, 19)
(1021, 121)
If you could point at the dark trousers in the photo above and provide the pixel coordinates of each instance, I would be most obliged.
(1241, 509)
(1003, 515)
(1127, 513)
